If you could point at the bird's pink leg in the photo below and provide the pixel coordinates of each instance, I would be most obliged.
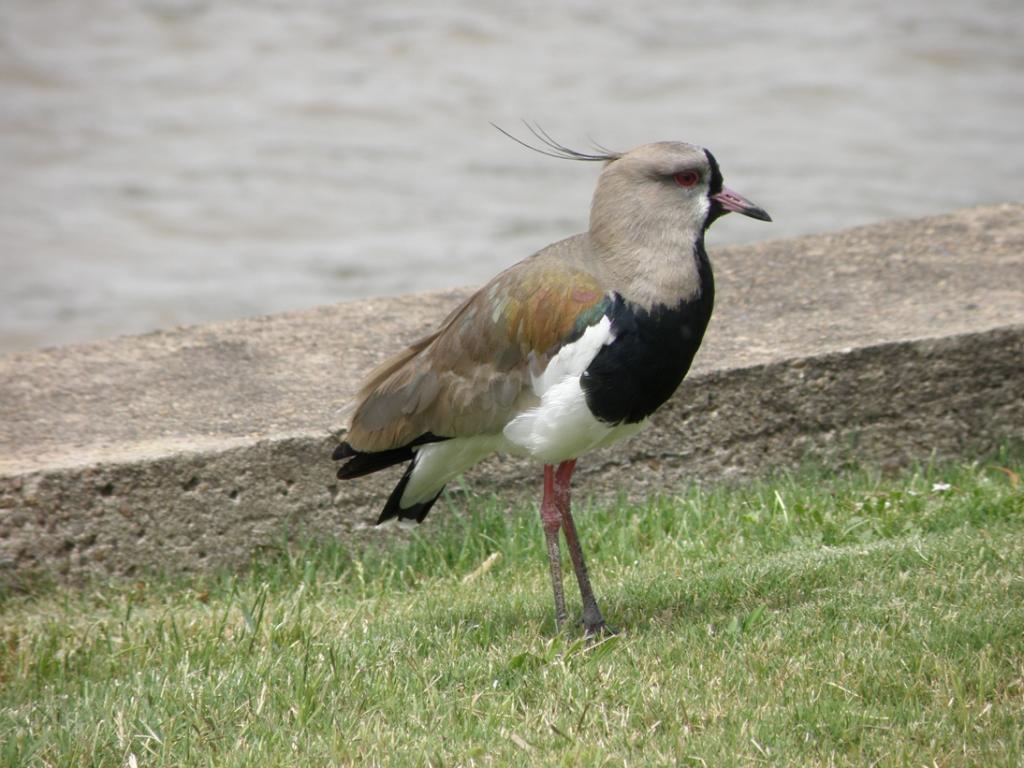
(593, 622)
(551, 517)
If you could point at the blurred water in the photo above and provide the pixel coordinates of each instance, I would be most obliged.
(179, 161)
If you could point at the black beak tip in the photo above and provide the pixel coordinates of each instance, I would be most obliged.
(726, 200)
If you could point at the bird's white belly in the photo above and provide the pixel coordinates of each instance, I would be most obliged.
(562, 426)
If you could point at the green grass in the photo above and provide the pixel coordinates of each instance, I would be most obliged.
(802, 620)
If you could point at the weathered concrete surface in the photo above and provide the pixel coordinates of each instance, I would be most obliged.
(191, 447)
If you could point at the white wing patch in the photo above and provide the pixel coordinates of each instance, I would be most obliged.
(562, 427)
(573, 359)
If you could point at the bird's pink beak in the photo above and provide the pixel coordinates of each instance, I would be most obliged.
(734, 201)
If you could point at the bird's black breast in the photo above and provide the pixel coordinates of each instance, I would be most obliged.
(653, 348)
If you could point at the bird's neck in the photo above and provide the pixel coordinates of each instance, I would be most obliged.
(665, 266)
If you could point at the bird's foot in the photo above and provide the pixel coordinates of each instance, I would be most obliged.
(598, 630)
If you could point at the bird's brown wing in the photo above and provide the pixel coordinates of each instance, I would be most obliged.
(472, 375)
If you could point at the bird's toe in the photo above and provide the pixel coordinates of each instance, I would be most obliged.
(598, 631)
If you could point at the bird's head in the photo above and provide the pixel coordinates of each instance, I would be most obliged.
(666, 180)
(665, 184)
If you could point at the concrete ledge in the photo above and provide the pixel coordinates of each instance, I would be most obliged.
(189, 448)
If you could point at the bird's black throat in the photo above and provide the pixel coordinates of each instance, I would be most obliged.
(651, 352)
(715, 185)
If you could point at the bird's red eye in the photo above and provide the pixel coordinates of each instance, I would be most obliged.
(687, 178)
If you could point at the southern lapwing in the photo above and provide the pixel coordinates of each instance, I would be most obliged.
(569, 350)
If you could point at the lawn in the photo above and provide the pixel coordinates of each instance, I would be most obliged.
(803, 619)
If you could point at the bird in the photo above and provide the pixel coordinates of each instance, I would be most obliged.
(567, 351)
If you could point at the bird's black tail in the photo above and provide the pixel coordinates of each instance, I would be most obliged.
(360, 464)
(393, 507)
(364, 463)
